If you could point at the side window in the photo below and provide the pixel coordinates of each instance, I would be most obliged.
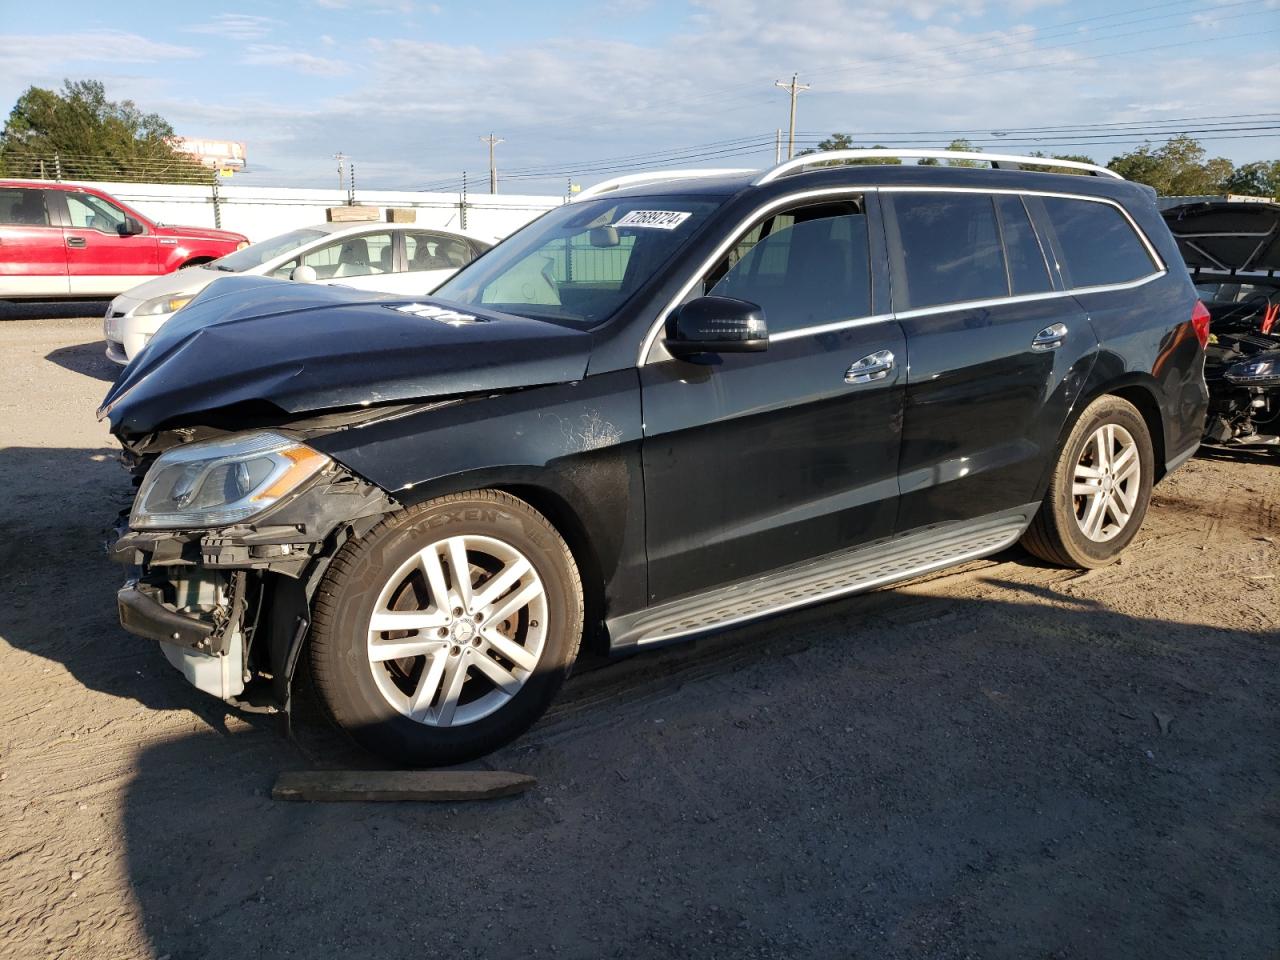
(434, 251)
(20, 207)
(946, 249)
(93, 213)
(359, 256)
(1097, 243)
(805, 266)
(1028, 271)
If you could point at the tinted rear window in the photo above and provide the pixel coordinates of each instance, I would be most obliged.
(947, 248)
(1098, 245)
(23, 207)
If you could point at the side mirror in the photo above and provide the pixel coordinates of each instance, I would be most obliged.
(130, 227)
(303, 274)
(717, 325)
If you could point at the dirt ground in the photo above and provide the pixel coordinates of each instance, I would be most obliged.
(1002, 761)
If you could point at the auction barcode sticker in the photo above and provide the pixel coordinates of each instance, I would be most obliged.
(653, 219)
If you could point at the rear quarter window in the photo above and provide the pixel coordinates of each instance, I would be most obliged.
(1098, 244)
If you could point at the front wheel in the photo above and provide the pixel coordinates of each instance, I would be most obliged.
(446, 631)
(1100, 489)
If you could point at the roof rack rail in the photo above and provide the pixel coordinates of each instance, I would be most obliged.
(997, 160)
(656, 176)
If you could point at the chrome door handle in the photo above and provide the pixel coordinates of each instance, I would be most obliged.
(874, 366)
(75, 241)
(1050, 338)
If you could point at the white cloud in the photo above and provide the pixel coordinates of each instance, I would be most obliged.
(31, 57)
(236, 26)
(275, 55)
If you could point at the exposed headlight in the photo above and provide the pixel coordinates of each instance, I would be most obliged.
(159, 305)
(1254, 371)
(242, 244)
(218, 482)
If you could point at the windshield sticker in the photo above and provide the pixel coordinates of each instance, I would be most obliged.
(453, 318)
(653, 219)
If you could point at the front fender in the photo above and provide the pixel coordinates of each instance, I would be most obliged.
(578, 443)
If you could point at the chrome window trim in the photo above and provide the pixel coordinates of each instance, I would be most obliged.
(730, 238)
(831, 327)
(1161, 269)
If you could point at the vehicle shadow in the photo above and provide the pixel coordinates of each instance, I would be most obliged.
(54, 523)
(885, 776)
(51, 309)
(89, 359)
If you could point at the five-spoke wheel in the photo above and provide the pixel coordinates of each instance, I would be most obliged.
(1099, 489)
(446, 630)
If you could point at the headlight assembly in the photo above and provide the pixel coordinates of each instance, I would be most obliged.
(219, 482)
(1259, 371)
(160, 305)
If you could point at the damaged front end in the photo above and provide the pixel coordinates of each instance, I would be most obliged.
(227, 539)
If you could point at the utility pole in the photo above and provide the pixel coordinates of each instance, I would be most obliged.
(777, 146)
(794, 89)
(342, 159)
(492, 141)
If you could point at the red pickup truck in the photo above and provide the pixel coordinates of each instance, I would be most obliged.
(65, 240)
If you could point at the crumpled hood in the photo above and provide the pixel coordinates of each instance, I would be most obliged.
(1227, 235)
(306, 347)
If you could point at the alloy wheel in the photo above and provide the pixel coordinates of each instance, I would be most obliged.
(1106, 482)
(457, 630)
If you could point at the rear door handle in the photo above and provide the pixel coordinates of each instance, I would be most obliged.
(1050, 338)
(75, 241)
(874, 366)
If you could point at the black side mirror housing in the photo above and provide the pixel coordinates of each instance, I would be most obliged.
(717, 325)
(130, 227)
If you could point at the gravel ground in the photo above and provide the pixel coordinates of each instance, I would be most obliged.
(1006, 760)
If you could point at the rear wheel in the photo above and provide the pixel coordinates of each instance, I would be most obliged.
(447, 630)
(1101, 485)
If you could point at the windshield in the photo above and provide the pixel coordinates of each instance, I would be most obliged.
(580, 262)
(256, 254)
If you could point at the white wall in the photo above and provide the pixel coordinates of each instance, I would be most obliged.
(261, 212)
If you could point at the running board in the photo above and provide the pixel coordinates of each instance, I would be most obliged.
(835, 575)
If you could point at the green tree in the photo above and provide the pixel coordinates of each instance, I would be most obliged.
(1258, 179)
(1179, 167)
(843, 141)
(960, 145)
(93, 138)
(1077, 157)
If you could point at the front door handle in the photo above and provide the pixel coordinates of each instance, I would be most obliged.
(874, 366)
(1050, 338)
(75, 241)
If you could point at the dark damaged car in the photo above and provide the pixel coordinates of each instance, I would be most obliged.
(666, 408)
(1232, 249)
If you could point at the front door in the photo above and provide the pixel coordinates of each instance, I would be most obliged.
(998, 353)
(102, 260)
(33, 259)
(753, 461)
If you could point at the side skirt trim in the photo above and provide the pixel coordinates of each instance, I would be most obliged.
(814, 581)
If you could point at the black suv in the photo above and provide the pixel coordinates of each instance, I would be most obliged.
(670, 406)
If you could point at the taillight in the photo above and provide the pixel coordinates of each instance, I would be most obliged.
(1200, 323)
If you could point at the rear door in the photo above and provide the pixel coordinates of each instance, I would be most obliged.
(100, 259)
(753, 461)
(33, 258)
(996, 349)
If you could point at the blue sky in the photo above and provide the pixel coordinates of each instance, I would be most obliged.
(406, 88)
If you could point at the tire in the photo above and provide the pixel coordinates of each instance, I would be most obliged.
(1058, 533)
(474, 674)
